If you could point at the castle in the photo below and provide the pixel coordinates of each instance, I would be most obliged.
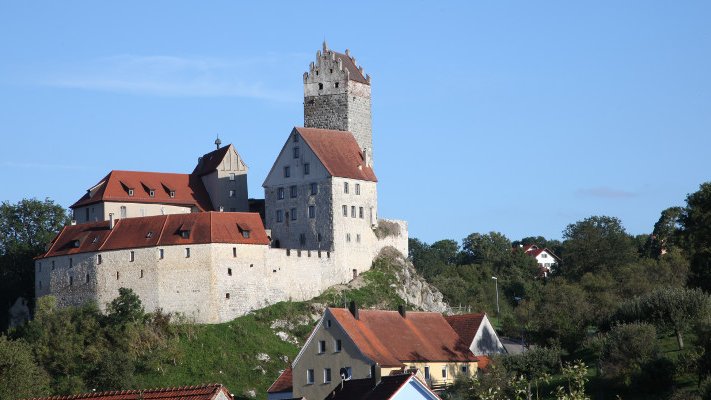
(196, 244)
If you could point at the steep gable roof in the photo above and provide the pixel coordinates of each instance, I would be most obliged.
(364, 389)
(202, 392)
(339, 153)
(283, 382)
(466, 325)
(188, 190)
(159, 230)
(210, 161)
(390, 339)
(354, 73)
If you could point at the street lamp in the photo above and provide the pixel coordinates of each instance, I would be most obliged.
(496, 282)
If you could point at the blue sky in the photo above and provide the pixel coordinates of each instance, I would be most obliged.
(518, 117)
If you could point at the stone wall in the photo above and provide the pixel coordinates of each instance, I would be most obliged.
(101, 211)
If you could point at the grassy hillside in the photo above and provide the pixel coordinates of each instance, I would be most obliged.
(233, 353)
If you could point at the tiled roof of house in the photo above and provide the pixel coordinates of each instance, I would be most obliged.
(210, 161)
(339, 153)
(187, 190)
(390, 339)
(363, 389)
(466, 325)
(202, 392)
(283, 382)
(354, 73)
(159, 230)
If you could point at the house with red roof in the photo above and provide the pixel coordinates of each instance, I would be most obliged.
(476, 331)
(546, 259)
(358, 344)
(201, 392)
(405, 386)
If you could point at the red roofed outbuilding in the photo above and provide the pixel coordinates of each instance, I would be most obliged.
(201, 392)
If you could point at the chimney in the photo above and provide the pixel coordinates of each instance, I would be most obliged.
(353, 309)
(375, 374)
(111, 220)
(401, 310)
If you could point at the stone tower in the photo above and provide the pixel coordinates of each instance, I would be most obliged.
(337, 96)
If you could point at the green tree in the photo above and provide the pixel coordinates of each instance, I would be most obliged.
(432, 260)
(596, 244)
(535, 366)
(626, 349)
(20, 376)
(124, 309)
(493, 247)
(696, 222)
(26, 228)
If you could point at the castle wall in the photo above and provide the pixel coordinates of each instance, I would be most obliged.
(101, 211)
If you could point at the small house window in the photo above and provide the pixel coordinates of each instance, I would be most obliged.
(280, 215)
(296, 152)
(293, 214)
(232, 176)
(160, 254)
(345, 187)
(357, 188)
(465, 369)
(280, 193)
(314, 189)
(132, 256)
(287, 172)
(52, 265)
(312, 211)
(232, 192)
(302, 240)
(149, 235)
(296, 138)
(327, 375)
(307, 168)
(319, 237)
(39, 265)
(338, 345)
(427, 373)
(185, 234)
(328, 323)
(187, 252)
(40, 284)
(444, 372)
(321, 346)
(309, 377)
(293, 191)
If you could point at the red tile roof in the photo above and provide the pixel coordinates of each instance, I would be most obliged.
(391, 340)
(339, 153)
(354, 73)
(188, 189)
(483, 363)
(203, 392)
(283, 383)
(210, 161)
(466, 325)
(159, 230)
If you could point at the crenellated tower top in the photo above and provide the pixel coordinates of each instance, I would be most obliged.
(337, 96)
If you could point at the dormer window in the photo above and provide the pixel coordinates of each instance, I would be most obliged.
(95, 240)
(149, 235)
(244, 229)
(245, 234)
(152, 193)
(76, 244)
(130, 192)
(185, 234)
(172, 194)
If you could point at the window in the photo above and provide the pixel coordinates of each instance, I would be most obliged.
(427, 372)
(302, 240)
(233, 192)
(307, 168)
(98, 258)
(328, 323)
(319, 237)
(71, 262)
(465, 369)
(345, 187)
(358, 237)
(357, 188)
(187, 252)
(338, 345)
(227, 296)
(71, 280)
(232, 176)
(360, 212)
(444, 372)
(160, 254)
(229, 271)
(353, 214)
(52, 265)
(87, 278)
(287, 172)
(293, 191)
(130, 192)
(293, 214)
(327, 375)
(320, 85)
(149, 235)
(117, 275)
(544, 255)
(296, 152)
(87, 214)
(280, 193)
(152, 193)
(321, 346)
(314, 189)
(309, 377)
(172, 193)
(280, 215)
(185, 234)
(40, 284)
(296, 138)
(141, 273)
(245, 234)
(312, 211)
(123, 212)
(345, 211)
(39, 265)
(336, 85)
(348, 237)
(132, 256)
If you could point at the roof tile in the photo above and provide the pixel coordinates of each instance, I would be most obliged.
(339, 153)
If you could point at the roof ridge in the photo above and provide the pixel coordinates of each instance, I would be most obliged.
(111, 231)
(162, 229)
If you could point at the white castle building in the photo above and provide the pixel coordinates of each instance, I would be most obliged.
(196, 244)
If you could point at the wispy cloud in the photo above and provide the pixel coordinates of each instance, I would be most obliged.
(177, 76)
(605, 193)
(26, 165)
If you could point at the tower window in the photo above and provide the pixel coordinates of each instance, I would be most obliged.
(287, 172)
(117, 275)
(331, 70)
(293, 214)
(336, 85)
(280, 215)
(280, 193)
(312, 211)
(141, 273)
(314, 189)
(71, 280)
(227, 296)
(293, 191)
(320, 86)
(87, 278)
